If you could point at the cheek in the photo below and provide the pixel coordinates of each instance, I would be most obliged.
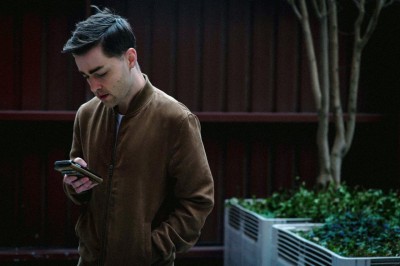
(118, 87)
(111, 83)
(124, 81)
(119, 82)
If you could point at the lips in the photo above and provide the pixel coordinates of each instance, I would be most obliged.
(103, 96)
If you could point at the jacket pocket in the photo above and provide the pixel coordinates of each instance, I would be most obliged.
(78, 224)
(88, 240)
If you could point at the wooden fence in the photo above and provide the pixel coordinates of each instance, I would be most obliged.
(238, 64)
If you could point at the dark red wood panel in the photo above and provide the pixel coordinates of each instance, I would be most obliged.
(8, 196)
(214, 56)
(235, 172)
(260, 169)
(307, 163)
(58, 94)
(287, 56)
(56, 201)
(284, 168)
(77, 91)
(263, 58)
(188, 53)
(238, 50)
(31, 202)
(31, 62)
(7, 69)
(164, 54)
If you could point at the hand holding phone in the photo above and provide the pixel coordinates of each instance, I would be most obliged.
(71, 168)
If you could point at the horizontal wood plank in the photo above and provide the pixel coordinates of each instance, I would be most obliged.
(56, 254)
(231, 117)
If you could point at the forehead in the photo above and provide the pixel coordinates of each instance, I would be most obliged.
(92, 59)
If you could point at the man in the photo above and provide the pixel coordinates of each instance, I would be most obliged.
(158, 188)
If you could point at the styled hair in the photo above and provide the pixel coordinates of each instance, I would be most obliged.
(111, 31)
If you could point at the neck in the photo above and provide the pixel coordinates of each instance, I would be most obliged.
(138, 82)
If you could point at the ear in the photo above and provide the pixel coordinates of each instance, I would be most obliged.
(131, 56)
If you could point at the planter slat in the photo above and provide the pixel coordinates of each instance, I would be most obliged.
(248, 236)
(291, 249)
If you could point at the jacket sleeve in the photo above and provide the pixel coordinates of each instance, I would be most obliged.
(194, 193)
(76, 151)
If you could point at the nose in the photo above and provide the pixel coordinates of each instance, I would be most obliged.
(94, 84)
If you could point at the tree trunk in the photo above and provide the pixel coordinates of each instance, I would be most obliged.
(325, 173)
(325, 81)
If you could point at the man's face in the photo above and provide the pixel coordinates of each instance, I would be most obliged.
(108, 77)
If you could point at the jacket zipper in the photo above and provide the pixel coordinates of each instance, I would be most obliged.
(110, 174)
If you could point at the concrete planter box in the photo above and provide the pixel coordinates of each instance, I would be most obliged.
(248, 236)
(291, 249)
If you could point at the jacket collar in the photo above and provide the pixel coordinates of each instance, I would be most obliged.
(140, 99)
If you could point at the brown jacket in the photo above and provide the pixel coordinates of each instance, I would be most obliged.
(157, 189)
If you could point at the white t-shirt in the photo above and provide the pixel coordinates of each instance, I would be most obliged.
(119, 118)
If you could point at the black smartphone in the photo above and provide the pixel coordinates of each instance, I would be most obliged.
(69, 167)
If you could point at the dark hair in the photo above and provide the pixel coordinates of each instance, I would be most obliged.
(111, 31)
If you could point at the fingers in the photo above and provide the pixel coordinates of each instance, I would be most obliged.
(69, 179)
(79, 185)
(82, 184)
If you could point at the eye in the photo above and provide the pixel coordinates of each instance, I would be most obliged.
(99, 75)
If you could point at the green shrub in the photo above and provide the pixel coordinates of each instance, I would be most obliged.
(319, 205)
(357, 222)
(362, 234)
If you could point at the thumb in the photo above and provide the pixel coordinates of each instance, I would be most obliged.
(80, 161)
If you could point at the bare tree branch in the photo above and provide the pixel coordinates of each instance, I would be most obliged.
(318, 10)
(354, 75)
(295, 9)
(305, 22)
(357, 3)
(358, 22)
(359, 44)
(373, 21)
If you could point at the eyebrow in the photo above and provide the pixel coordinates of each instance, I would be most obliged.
(93, 70)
